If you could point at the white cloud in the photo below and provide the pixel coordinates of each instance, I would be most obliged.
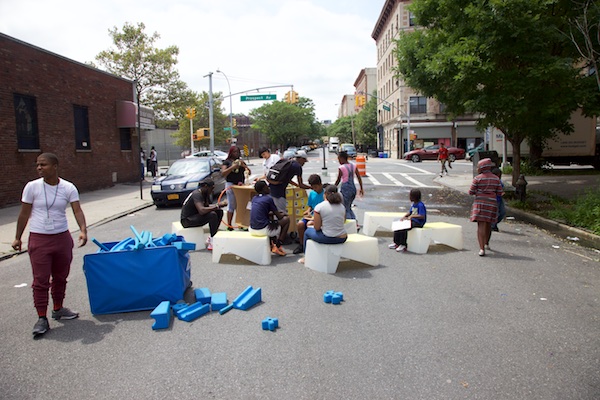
(317, 46)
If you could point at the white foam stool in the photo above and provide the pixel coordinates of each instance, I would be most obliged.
(379, 221)
(350, 226)
(195, 234)
(252, 248)
(419, 239)
(326, 257)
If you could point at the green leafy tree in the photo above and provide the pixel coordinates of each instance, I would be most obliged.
(584, 32)
(201, 120)
(365, 124)
(286, 124)
(342, 128)
(135, 57)
(504, 59)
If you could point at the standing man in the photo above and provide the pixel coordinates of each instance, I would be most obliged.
(278, 190)
(50, 247)
(443, 158)
(268, 162)
(153, 161)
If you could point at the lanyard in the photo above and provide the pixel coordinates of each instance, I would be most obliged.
(46, 198)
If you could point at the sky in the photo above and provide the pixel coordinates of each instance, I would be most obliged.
(319, 47)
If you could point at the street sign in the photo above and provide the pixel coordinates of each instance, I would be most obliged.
(386, 107)
(255, 97)
(228, 129)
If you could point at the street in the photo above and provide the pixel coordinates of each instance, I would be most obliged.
(521, 323)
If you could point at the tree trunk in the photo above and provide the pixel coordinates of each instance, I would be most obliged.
(516, 160)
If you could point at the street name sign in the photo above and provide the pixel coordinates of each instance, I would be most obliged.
(256, 97)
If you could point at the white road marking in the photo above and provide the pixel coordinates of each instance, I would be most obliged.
(391, 178)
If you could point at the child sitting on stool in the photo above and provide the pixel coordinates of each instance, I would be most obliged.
(262, 221)
(314, 198)
(417, 216)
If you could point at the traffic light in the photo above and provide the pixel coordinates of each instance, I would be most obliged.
(234, 121)
(190, 112)
(194, 137)
(288, 97)
(206, 132)
(294, 97)
(360, 100)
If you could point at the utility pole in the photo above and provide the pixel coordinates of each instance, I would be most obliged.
(211, 113)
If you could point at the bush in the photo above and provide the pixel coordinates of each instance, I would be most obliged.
(584, 212)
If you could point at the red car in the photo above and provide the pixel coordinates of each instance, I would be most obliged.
(431, 153)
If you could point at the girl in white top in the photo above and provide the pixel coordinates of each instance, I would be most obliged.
(329, 219)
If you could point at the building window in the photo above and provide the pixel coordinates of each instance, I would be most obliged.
(125, 134)
(411, 19)
(418, 105)
(28, 137)
(442, 108)
(82, 128)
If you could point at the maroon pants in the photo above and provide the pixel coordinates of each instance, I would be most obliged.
(50, 257)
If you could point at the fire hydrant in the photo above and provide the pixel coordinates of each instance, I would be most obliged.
(521, 188)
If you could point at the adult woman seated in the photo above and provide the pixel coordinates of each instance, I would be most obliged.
(329, 218)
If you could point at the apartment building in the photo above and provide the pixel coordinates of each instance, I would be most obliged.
(406, 119)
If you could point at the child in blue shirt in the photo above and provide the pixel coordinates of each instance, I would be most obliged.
(417, 216)
(314, 197)
(267, 220)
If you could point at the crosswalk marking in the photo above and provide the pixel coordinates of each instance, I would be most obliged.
(391, 178)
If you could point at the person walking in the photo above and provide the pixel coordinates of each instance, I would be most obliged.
(197, 210)
(142, 163)
(233, 171)
(346, 173)
(43, 204)
(485, 187)
(443, 158)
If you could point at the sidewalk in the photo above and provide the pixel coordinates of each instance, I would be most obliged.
(98, 206)
(567, 187)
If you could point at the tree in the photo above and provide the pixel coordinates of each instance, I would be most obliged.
(342, 128)
(365, 124)
(584, 32)
(200, 102)
(157, 81)
(504, 59)
(286, 124)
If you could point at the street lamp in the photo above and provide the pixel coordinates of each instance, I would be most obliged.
(230, 106)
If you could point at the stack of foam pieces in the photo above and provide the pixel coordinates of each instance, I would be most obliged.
(144, 240)
(205, 303)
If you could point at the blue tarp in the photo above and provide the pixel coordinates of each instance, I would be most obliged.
(134, 280)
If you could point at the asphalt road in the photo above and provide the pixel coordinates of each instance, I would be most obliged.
(521, 323)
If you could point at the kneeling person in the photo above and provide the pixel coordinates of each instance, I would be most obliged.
(262, 218)
(197, 210)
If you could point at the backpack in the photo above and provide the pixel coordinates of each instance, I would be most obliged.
(280, 172)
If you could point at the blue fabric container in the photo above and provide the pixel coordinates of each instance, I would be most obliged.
(135, 280)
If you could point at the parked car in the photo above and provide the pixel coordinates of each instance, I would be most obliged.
(469, 154)
(431, 153)
(183, 177)
(221, 155)
(348, 148)
(306, 148)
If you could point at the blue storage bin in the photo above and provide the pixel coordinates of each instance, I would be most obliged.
(135, 280)
(381, 154)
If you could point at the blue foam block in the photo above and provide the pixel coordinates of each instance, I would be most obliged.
(248, 299)
(327, 296)
(194, 311)
(218, 301)
(179, 306)
(335, 299)
(162, 315)
(202, 295)
(270, 323)
(188, 246)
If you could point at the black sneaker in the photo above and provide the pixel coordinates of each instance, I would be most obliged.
(64, 313)
(41, 326)
(299, 250)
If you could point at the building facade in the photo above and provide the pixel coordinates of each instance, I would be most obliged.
(49, 103)
(405, 118)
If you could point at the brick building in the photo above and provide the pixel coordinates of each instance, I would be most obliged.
(49, 103)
